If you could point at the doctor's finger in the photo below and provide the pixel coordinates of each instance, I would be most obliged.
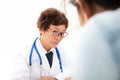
(48, 78)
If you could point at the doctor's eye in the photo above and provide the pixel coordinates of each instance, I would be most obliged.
(58, 33)
(62, 34)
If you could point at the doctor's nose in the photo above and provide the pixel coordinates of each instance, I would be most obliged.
(58, 38)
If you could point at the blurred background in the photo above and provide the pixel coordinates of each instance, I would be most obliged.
(18, 27)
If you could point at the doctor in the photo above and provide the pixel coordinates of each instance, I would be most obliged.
(33, 63)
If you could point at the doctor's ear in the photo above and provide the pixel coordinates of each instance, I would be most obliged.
(40, 31)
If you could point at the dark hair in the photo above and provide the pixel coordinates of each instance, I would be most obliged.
(51, 16)
(106, 4)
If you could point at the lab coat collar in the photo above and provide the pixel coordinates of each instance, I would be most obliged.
(42, 52)
(39, 45)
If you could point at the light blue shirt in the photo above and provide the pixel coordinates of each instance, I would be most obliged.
(98, 48)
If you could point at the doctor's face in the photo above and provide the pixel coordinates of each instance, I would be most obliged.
(52, 36)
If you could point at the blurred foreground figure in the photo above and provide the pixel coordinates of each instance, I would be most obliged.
(98, 49)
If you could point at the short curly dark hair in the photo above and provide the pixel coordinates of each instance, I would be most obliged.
(51, 16)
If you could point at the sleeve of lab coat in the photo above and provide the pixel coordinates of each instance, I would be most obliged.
(66, 64)
(21, 68)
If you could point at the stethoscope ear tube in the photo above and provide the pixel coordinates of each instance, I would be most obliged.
(58, 55)
(30, 57)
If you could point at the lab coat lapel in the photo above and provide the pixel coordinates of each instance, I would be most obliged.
(45, 63)
(55, 64)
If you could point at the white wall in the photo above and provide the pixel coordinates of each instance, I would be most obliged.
(18, 27)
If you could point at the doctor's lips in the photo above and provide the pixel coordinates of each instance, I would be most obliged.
(55, 43)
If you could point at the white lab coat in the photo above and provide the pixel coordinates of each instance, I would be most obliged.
(23, 71)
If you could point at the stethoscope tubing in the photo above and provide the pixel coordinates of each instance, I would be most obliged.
(40, 59)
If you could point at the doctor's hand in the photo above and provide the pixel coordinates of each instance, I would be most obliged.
(69, 78)
(47, 78)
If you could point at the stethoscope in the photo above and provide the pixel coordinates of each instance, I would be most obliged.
(40, 59)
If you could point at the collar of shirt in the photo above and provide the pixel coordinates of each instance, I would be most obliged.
(41, 48)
